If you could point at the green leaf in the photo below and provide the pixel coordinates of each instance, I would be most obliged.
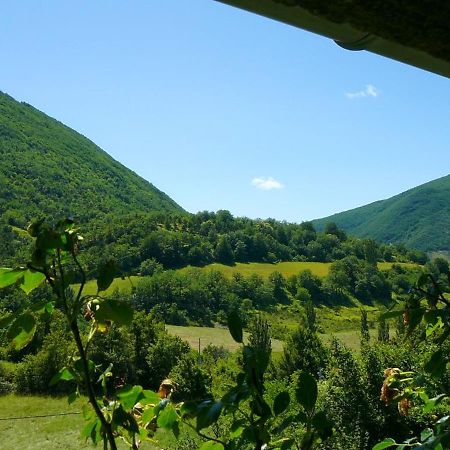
(110, 310)
(287, 422)
(31, 280)
(64, 374)
(236, 429)
(149, 398)
(148, 415)
(208, 414)
(287, 443)
(423, 280)
(88, 429)
(260, 408)
(436, 364)
(161, 405)
(49, 239)
(9, 277)
(235, 326)
(433, 402)
(426, 434)
(22, 330)
(391, 314)
(129, 395)
(125, 420)
(211, 445)
(385, 444)
(306, 392)
(176, 430)
(281, 402)
(6, 320)
(189, 408)
(72, 397)
(168, 417)
(78, 367)
(301, 417)
(64, 224)
(282, 444)
(42, 307)
(33, 228)
(323, 425)
(106, 274)
(415, 317)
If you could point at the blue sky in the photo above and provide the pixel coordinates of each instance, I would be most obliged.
(223, 109)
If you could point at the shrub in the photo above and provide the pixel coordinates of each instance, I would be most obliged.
(7, 377)
(191, 381)
(34, 373)
(162, 357)
(303, 350)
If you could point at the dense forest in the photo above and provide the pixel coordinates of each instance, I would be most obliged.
(50, 170)
(140, 242)
(418, 218)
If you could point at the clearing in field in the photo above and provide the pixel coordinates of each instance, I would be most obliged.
(287, 269)
(213, 336)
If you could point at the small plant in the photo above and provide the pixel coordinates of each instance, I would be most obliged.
(130, 413)
(428, 304)
(254, 422)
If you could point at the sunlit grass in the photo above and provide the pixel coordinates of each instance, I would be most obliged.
(213, 336)
(47, 433)
(263, 269)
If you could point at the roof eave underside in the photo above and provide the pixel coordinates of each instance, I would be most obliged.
(344, 34)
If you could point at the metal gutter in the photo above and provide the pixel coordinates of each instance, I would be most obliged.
(343, 34)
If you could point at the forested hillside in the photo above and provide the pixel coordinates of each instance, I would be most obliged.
(49, 169)
(144, 242)
(418, 218)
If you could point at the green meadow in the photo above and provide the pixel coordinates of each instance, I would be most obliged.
(23, 427)
(213, 336)
(264, 270)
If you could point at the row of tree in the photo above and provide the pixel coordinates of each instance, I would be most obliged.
(138, 240)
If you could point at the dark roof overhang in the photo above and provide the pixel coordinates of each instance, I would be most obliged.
(416, 32)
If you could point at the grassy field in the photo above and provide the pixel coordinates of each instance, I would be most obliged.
(219, 336)
(263, 269)
(43, 433)
(120, 284)
(214, 336)
(48, 433)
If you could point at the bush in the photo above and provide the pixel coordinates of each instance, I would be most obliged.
(191, 381)
(114, 347)
(150, 267)
(34, 373)
(162, 357)
(303, 350)
(7, 377)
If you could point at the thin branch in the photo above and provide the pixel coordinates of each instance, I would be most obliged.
(204, 436)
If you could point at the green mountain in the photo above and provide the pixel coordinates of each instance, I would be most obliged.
(49, 169)
(418, 218)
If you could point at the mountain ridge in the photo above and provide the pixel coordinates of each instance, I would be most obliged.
(418, 217)
(50, 169)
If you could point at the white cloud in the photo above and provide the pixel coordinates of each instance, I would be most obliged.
(369, 91)
(266, 183)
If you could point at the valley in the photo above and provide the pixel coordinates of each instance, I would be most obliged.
(115, 287)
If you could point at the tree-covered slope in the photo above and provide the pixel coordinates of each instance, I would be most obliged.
(49, 169)
(419, 218)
